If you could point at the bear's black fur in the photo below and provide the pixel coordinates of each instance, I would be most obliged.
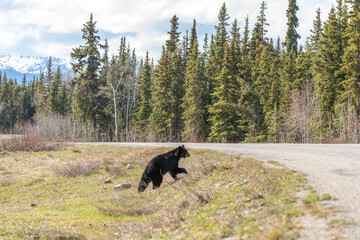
(160, 165)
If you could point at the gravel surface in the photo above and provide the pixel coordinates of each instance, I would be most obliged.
(8, 136)
(332, 169)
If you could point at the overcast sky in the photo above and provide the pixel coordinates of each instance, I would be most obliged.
(53, 27)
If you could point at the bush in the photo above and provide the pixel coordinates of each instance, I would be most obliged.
(76, 168)
(55, 127)
(27, 140)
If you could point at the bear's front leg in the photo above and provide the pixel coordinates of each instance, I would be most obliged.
(182, 170)
(157, 180)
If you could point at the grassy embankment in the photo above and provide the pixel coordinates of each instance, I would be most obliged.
(62, 195)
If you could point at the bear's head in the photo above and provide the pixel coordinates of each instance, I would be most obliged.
(182, 152)
(144, 183)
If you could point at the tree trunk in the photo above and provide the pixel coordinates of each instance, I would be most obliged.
(115, 117)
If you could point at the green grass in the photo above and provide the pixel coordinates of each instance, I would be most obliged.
(222, 196)
(313, 203)
(334, 223)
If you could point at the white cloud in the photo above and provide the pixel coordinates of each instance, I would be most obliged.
(145, 19)
(53, 49)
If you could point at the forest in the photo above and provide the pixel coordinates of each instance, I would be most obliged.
(240, 86)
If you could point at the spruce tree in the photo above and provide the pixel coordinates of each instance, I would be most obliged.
(245, 40)
(261, 19)
(193, 105)
(291, 40)
(315, 36)
(15, 103)
(351, 84)
(86, 101)
(54, 94)
(143, 108)
(220, 39)
(355, 7)
(41, 95)
(173, 42)
(169, 78)
(159, 118)
(25, 108)
(327, 66)
(49, 75)
(223, 112)
(176, 91)
(267, 90)
(5, 101)
(329, 62)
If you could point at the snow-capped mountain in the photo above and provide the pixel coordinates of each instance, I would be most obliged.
(17, 66)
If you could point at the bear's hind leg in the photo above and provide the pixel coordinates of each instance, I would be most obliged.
(174, 175)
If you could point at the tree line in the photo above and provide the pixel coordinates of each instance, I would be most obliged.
(240, 86)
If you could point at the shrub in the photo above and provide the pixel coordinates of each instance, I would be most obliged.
(76, 168)
(26, 139)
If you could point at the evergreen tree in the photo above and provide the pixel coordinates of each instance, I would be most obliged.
(315, 36)
(193, 105)
(245, 40)
(351, 84)
(210, 72)
(329, 62)
(342, 16)
(86, 102)
(49, 75)
(25, 108)
(303, 72)
(54, 94)
(172, 43)
(291, 40)
(144, 104)
(261, 19)
(169, 78)
(355, 7)
(177, 80)
(41, 96)
(267, 88)
(64, 100)
(220, 39)
(327, 65)
(5, 101)
(160, 98)
(223, 112)
(15, 103)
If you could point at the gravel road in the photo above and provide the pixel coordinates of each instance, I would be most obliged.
(332, 169)
(8, 136)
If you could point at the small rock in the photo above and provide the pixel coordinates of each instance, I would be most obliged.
(129, 166)
(107, 181)
(33, 205)
(120, 187)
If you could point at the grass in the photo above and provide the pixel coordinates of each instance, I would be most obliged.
(334, 223)
(222, 196)
(313, 203)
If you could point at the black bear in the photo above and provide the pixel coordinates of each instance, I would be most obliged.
(160, 165)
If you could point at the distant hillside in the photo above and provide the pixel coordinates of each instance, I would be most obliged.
(17, 66)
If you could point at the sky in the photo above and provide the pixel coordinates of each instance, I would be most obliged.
(53, 27)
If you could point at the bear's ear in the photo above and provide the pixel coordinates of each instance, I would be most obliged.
(183, 146)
